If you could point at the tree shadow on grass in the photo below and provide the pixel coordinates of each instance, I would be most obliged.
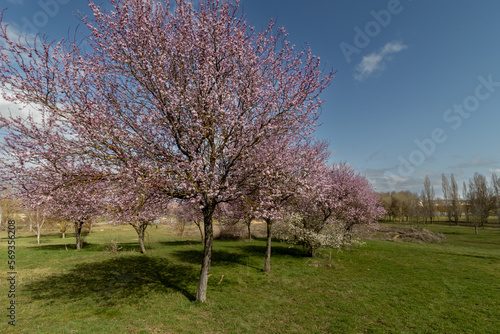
(180, 243)
(113, 281)
(127, 247)
(53, 247)
(220, 258)
(276, 250)
(53, 235)
(95, 247)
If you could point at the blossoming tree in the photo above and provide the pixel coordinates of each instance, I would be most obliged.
(334, 199)
(195, 93)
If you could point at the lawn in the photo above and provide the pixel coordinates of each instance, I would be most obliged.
(379, 287)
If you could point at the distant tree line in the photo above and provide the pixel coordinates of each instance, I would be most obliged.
(476, 201)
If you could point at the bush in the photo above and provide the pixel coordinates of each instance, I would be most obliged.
(313, 234)
(112, 246)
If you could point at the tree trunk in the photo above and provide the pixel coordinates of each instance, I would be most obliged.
(201, 291)
(249, 231)
(475, 228)
(311, 252)
(63, 235)
(140, 228)
(267, 265)
(201, 231)
(39, 226)
(78, 234)
(141, 242)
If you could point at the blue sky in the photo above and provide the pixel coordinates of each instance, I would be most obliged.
(417, 85)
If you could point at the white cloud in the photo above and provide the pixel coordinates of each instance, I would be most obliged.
(384, 180)
(476, 162)
(15, 34)
(7, 108)
(375, 62)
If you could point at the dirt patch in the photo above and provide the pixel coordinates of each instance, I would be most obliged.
(401, 233)
(409, 234)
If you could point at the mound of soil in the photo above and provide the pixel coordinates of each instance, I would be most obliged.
(408, 234)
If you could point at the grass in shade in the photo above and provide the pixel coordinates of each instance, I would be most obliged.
(380, 287)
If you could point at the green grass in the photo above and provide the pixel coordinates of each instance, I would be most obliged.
(381, 287)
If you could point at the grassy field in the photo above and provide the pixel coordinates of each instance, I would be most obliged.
(380, 287)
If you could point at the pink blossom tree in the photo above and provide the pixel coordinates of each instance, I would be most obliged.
(79, 203)
(334, 199)
(283, 176)
(241, 212)
(47, 168)
(49, 195)
(190, 212)
(195, 93)
(135, 200)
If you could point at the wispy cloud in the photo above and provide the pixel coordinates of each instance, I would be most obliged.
(15, 34)
(387, 180)
(476, 162)
(8, 108)
(375, 62)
